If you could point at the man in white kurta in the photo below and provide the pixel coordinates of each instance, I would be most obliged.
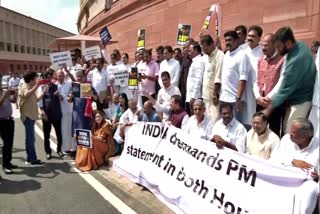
(235, 78)
(300, 149)
(64, 88)
(314, 116)
(162, 104)
(195, 75)
(100, 81)
(254, 53)
(211, 76)
(170, 65)
(261, 141)
(199, 125)
(228, 132)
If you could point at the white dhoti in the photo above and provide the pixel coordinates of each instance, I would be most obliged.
(211, 110)
(68, 143)
(314, 118)
(306, 198)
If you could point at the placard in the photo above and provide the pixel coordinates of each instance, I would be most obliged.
(60, 59)
(133, 80)
(215, 11)
(81, 90)
(105, 35)
(184, 33)
(141, 39)
(83, 138)
(92, 52)
(85, 90)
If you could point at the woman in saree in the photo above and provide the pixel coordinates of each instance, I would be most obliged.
(102, 145)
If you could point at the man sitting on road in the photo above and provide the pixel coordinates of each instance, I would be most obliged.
(300, 149)
(162, 104)
(199, 124)
(260, 139)
(149, 114)
(228, 131)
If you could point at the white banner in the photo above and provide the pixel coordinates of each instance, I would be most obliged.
(92, 52)
(60, 59)
(192, 175)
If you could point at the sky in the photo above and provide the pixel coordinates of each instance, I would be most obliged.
(59, 13)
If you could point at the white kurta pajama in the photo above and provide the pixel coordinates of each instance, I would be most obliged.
(173, 67)
(211, 75)
(307, 194)
(253, 55)
(194, 80)
(68, 143)
(236, 67)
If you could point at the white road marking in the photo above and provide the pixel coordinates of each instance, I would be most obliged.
(94, 183)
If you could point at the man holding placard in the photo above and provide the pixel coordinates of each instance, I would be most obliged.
(101, 83)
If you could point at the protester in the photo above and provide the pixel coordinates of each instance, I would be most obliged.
(242, 34)
(7, 127)
(102, 145)
(51, 114)
(314, 115)
(14, 84)
(185, 66)
(127, 119)
(149, 114)
(177, 55)
(123, 101)
(228, 131)
(254, 49)
(118, 56)
(162, 104)
(100, 80)
(125, 60)
(160, 57)
(194, 80)
(199, 125)
(300, 149)
(235, 74)
(29, 114)
(170, 65)
(149, 76)
(211, 77)
(314, 48)
(260, 139)
(269, 69)
(111, 112)
(64, 88)
(296, 83)
(82, 107)
(178, 117)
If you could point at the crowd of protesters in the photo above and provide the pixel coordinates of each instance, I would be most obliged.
(258, 95)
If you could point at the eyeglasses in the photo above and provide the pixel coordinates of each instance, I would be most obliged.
(197, 109)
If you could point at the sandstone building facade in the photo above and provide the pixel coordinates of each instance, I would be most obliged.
(160, 18)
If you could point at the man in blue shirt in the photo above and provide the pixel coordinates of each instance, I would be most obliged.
(51, 115)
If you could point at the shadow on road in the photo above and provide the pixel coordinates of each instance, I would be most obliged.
(15, 187)
(49, 170)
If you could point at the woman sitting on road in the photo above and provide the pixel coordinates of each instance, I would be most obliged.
(102, 145)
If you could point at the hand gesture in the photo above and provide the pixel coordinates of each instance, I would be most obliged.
(239, 105)
(301, 164)
(263, 101)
